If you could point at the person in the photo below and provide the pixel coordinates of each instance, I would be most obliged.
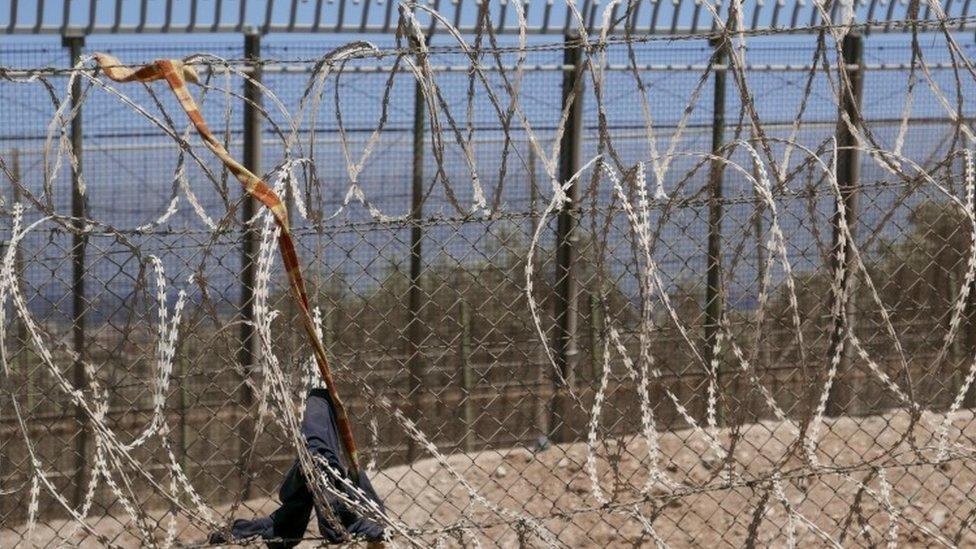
(286, 526)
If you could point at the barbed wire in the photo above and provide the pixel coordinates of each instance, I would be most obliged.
(588, 44)
(686, 369)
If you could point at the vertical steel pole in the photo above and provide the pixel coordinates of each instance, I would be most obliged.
(79, 242)
(248, 351)
(969, 333)
(957, 355)
(329, 329)
(596, 346)
(415, 361)
(467, 376)
(848, 170)
(713, 286)
(566, 306)
(19, 350)
(763, 357)
(183, 380)
(541, 404)
(20, 337)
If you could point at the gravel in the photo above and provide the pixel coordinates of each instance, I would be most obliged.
(694, 507)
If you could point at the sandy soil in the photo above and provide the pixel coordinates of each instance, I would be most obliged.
(935, 504)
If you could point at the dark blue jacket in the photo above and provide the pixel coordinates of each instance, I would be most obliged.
(287, 524)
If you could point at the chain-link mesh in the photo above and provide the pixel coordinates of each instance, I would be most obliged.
(809, 383)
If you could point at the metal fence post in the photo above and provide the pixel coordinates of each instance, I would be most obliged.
(328, 331)
(415, 361)
(566, 306)
(541, 402)
(847, 179)
(957, 355)
(19, 349)
(763, 356)
(20, 337)
(969, 333)
(713, 287)
(79, 241)
(248, 351)
(596, 346)
(184, 391)
(467, 376)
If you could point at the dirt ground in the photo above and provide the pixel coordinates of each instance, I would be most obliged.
(935, 504)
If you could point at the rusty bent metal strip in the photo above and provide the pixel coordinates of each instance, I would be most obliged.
(177, 74)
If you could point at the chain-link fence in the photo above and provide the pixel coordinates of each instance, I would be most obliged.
(734, 331)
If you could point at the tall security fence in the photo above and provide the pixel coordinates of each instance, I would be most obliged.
(599, 291)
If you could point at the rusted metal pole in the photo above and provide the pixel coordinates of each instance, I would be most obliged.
(415, 325)
(713, 284)
(848, 171)
(248, 350)
(79, 241)
(293, 337)
(567, 291)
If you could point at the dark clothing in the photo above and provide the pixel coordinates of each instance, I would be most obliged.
(289, 521)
